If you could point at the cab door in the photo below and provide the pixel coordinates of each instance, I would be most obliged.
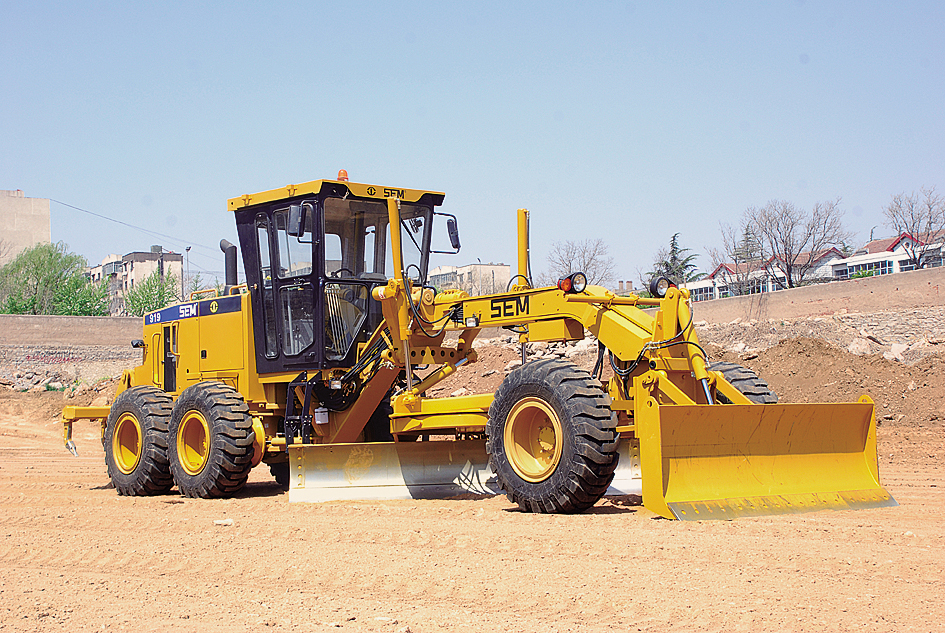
(293, 272)
(170, 357)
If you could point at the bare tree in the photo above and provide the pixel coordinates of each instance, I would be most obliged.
(590, 257)
(741, 259)
(922, 217)
(795, 239)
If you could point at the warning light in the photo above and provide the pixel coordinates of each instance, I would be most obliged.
(343, 175)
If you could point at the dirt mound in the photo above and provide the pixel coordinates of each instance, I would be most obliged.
(810, 370)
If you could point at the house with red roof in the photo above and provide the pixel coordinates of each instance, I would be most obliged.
(884, 256)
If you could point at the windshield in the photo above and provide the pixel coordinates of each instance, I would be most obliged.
(356, 239)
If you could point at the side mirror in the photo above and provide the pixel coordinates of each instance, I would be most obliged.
(453, 231)
(296, 220)
(297, 217)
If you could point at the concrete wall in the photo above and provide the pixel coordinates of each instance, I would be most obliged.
(18, 329)
(917, 289)
(25, 222)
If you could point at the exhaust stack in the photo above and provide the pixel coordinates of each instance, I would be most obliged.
(229, 254)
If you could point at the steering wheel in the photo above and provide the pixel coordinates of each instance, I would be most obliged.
(337, 273)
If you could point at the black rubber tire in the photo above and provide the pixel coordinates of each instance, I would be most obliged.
(150, 408)
(589, 439)
(229, 445)
(377, 428)
(746, 381)
(280, 472)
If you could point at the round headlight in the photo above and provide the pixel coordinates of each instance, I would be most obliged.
(659, 286)
(578, 282)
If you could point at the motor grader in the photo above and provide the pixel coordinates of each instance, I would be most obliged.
(319, 365)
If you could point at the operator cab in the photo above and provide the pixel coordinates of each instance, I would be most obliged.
(312, 259)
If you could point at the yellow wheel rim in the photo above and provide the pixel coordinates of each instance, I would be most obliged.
(126, 443)
(193, 442)
(533, 439)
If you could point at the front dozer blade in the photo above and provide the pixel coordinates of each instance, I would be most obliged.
(725, 461)
(412, 470)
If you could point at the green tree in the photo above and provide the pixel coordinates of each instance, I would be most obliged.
(29, 284)
(154, 293)
(675, 264)
(80, 297)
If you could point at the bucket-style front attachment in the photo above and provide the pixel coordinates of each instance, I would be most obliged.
(728, 460)
(412, 470)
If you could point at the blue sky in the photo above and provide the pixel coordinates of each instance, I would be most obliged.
(626, 121)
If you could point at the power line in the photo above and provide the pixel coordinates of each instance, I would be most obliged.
(139, 228)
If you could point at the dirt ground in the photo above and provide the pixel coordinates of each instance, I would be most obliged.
(74, 556)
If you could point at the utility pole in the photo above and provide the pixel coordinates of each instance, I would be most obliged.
(480, 276)
(188, 272)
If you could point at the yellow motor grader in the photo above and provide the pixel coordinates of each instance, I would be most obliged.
(320, 363)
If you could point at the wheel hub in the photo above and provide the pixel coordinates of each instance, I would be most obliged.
(533, 439)
(126, 443)
(193, 442)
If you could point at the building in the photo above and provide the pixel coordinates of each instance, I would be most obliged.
(624, 287)
(475, 279)
(25, 223)
(124, 272)
(891, 255)
(878, 257)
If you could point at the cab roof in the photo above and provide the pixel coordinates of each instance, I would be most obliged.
(315, 187)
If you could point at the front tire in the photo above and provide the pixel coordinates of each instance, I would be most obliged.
(746, 381)
(136, 442)
(211, 441)
(552, 438)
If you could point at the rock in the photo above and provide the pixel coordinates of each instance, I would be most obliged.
(895, 352)
(859, 346)
(223, 522)
(512, 364)
(55, 385)
(462, 391)
(489, 373)
(739, 347)
(100, 401)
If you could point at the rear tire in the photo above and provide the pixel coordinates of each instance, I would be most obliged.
(552, 438)
(211, 441)
(136, 442)
(746, 381)
(280, 472)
